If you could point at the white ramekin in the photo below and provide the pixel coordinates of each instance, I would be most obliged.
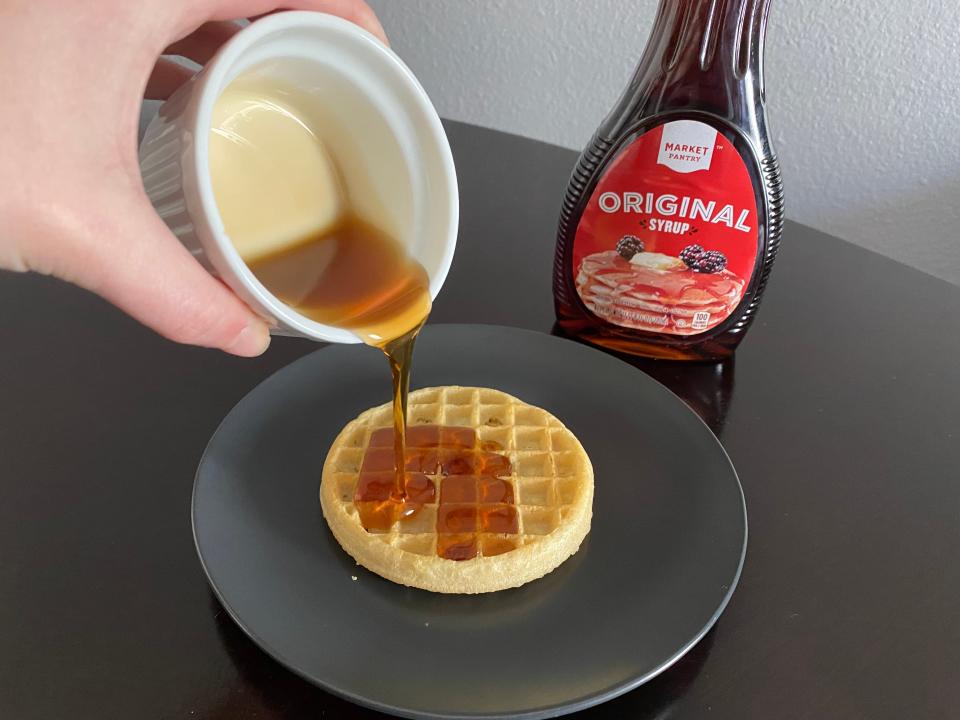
(380, 128)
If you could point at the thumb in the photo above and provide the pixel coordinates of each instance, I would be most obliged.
(136, 263)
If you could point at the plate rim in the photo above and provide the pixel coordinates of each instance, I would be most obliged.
(582, 702)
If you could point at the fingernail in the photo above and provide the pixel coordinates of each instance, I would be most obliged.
(253, 340)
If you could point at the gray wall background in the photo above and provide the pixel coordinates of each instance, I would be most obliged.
(863, 98)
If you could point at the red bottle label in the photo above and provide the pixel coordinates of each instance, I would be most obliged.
(669, 239)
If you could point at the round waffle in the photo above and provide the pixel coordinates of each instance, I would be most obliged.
(498, 492)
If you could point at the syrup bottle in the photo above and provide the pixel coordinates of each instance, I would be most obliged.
(672, 218)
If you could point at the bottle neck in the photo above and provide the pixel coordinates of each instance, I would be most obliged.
(714, 37)
(701, 54)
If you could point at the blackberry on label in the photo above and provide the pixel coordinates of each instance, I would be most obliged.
(711, 261)
(629, 245)
(690, 254)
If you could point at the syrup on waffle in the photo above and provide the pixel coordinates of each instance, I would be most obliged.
(475, 503)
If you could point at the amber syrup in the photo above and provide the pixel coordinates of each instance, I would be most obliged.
(356, 277)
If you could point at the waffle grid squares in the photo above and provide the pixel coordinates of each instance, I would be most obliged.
(541, 451)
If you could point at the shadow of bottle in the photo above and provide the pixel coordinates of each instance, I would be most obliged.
(706, 387)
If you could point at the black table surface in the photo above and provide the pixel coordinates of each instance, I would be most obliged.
(841, 413)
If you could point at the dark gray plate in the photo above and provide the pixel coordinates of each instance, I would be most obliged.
(659, 565)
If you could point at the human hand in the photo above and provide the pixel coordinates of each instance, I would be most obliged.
(72, 203)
